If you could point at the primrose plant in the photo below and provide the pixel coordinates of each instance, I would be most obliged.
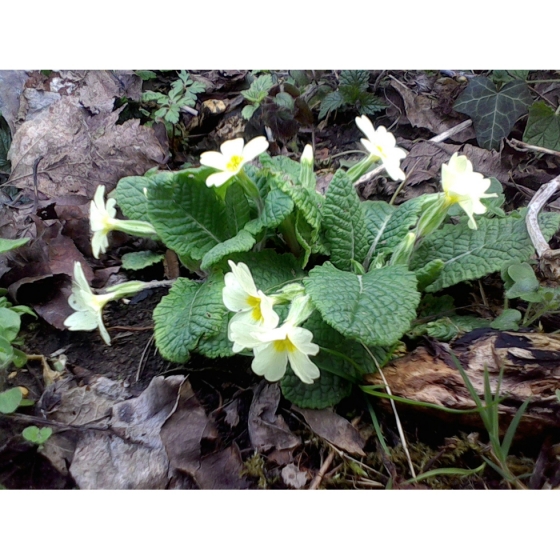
(316, 289)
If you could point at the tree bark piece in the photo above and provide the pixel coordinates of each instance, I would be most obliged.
(531, 363)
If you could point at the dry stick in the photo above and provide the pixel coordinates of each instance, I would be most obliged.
(539, 200)
(523, 147)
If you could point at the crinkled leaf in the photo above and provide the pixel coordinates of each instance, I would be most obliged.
(277, 207)
(493, 112)
(429, 273)
(238, 211)
(131, 198)
(469, 254)
(543, 127)
(282, 165)
(10, 323)
(308, 202)
(217, 345)
(10, 244)
(388, 224)
(344, 224)
(188, 216)
(270, 270)
(241, 242)
(10, 400)
(328, 390)
(190, 310)
(331, 102)
(140, 259)
(375, 308)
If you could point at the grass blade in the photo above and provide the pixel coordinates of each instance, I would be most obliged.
(508, 438)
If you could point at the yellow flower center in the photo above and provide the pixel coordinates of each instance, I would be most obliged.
(285, 345)
(255, 303)
(234, 164)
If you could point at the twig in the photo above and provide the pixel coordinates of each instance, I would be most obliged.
(539, 200)
(523, 147)
(324, 468)
(451, 132)
(140, 365)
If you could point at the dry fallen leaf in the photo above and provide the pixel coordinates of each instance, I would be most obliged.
(293, 477)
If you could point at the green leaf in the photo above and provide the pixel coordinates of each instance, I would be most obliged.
(375, 308)
(470, 254)
(248, 111)
(188, 216)
(146, 75)
(370, 104)
(357, 79)
(10, 323)
(159, 98)
(277, 207)
(217, 345)
(281, 165)
(270, 270)
(10, 400)
(190, 310)
(243, 241)
(36, 435)
(344, 224)
(259, 89)
(524, 281)
(388, 225)
(543, 127)
(10, 244)
(493, 112)
(6, 352)
(5, 143)
(328, 390)
(238, 211)
(506, 76)
(331, 102)
(508, 320)
(140, 259)
(131, 198)
(429, 273)
(19, 358)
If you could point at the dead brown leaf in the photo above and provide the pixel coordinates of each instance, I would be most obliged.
(293, 477)
(335, 429)
(267, 430)
(74, 152)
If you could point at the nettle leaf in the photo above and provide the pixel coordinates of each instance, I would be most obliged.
(270, 270)
(358, 79)
(190, 310)
(326, 391)
(10, 244)
(493, 112)
(388, 224)
(370, 104)
(188, 216)
(344, 224)
(331, 102)
(470, 254)
(248, 110)
(10, 400)
(258, 89)
(241, 242)
(277, 207)
(238, 211)
(375, 308)
(140, 259)
(543, 126)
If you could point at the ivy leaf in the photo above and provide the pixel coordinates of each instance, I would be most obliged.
(331, 102)
(190, 310)
(493, 112)
(188, 216)
(344, 224)
(469, 254)
(243, 241)
(375, 308)
(328, 390)
(140, 259)
(10, 400)
(543, 127)
(10, 244)
(277, 207)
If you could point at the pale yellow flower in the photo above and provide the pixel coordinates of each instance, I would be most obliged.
(381, 145)
(231, 158)
(461, 185)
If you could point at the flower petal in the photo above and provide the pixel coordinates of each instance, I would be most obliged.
(303, 367)
(254, 148)
(218, 179)
(269, 362)
(232, 148)
(213, 159)
(364, 124)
